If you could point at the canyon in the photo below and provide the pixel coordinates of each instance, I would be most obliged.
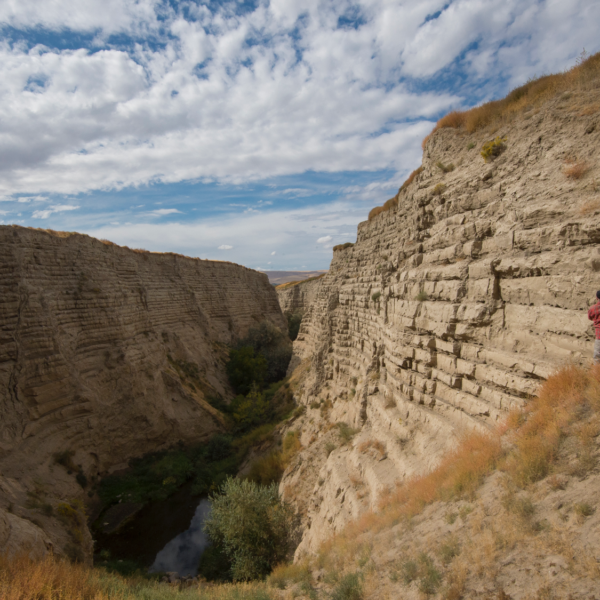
(459, 298)
(95, 340)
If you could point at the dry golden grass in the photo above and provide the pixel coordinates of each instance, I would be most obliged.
(376, 445)
(534, 439)
(375, 211)
(576, 171)
(411, 178)
(589, 207)
(582, 76)
(269, 468)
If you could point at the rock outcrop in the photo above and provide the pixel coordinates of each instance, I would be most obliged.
(449, 309)
(95, 340)
(298, 296)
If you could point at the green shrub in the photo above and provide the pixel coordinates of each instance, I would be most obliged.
(429, 577)
(444, 168)
(218, 447)
(493, 148)
(294, 320)
(274, 345)
(584, 509)
(376, 296)
(348, 588)
(409, 570)
(250, 410)
(252, 525)
(439, 189)
(422, 296)
(246, 369)
(346, 432)
(471, 145)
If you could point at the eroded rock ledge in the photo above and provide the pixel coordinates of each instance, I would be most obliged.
(449, 309)
(92, 340)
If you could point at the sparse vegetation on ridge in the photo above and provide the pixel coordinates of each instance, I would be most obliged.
(532, 93)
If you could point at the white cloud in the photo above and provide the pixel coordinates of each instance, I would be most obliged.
(324, 239)
(202, 92)
(161, 212)
(58, 208)
(273, 253)
(291, 231)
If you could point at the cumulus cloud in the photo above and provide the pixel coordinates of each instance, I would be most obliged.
(324, 239)
(273, 253)
(161, 212)
(44, 214)
(292, 231)
(212, 93)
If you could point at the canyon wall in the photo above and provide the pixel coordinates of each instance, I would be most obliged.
(449, 310)
(95, 342)
(298, 296)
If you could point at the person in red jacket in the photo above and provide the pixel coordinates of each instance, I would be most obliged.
(594, 315)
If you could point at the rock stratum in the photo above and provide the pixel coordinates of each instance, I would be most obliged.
(450, 308)
(93, 340)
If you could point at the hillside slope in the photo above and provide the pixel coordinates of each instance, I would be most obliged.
(96, 342)
(452, 306)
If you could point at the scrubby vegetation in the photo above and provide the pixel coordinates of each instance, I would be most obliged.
(493, 148)
(343, 246)
(533, 93)
(252, 526)
(583, 75)
(294, 319)
(554, 437)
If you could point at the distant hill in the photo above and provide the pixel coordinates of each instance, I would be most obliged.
(279, 277)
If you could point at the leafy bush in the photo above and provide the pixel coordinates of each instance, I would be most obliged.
(493, 148)
(444, 168)
(294, 320)
(439, 189)
(252, 525)
(422, 296)
(245, 369)
(346, 432)
(349, 588)
(376, 296)
(250, 410)
(218, 447)
(274, 346)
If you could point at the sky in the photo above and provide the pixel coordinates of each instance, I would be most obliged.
(257, 131)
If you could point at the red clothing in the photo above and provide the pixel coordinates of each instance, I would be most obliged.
(594, 315)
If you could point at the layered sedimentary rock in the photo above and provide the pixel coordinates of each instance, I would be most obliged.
(449, 309)
(298, 296)
(94, 342)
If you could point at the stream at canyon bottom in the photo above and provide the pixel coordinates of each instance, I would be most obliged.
(163, 536)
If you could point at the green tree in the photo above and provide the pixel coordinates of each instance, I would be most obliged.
(245, 368)
(252, 526)
(250, 410)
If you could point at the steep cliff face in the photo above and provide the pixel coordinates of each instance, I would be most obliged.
(298, 296)
(93, 341)
(449, 309)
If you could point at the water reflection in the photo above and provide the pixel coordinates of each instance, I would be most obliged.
(182, 554)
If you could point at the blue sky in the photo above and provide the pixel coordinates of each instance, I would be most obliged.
(259, 132)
